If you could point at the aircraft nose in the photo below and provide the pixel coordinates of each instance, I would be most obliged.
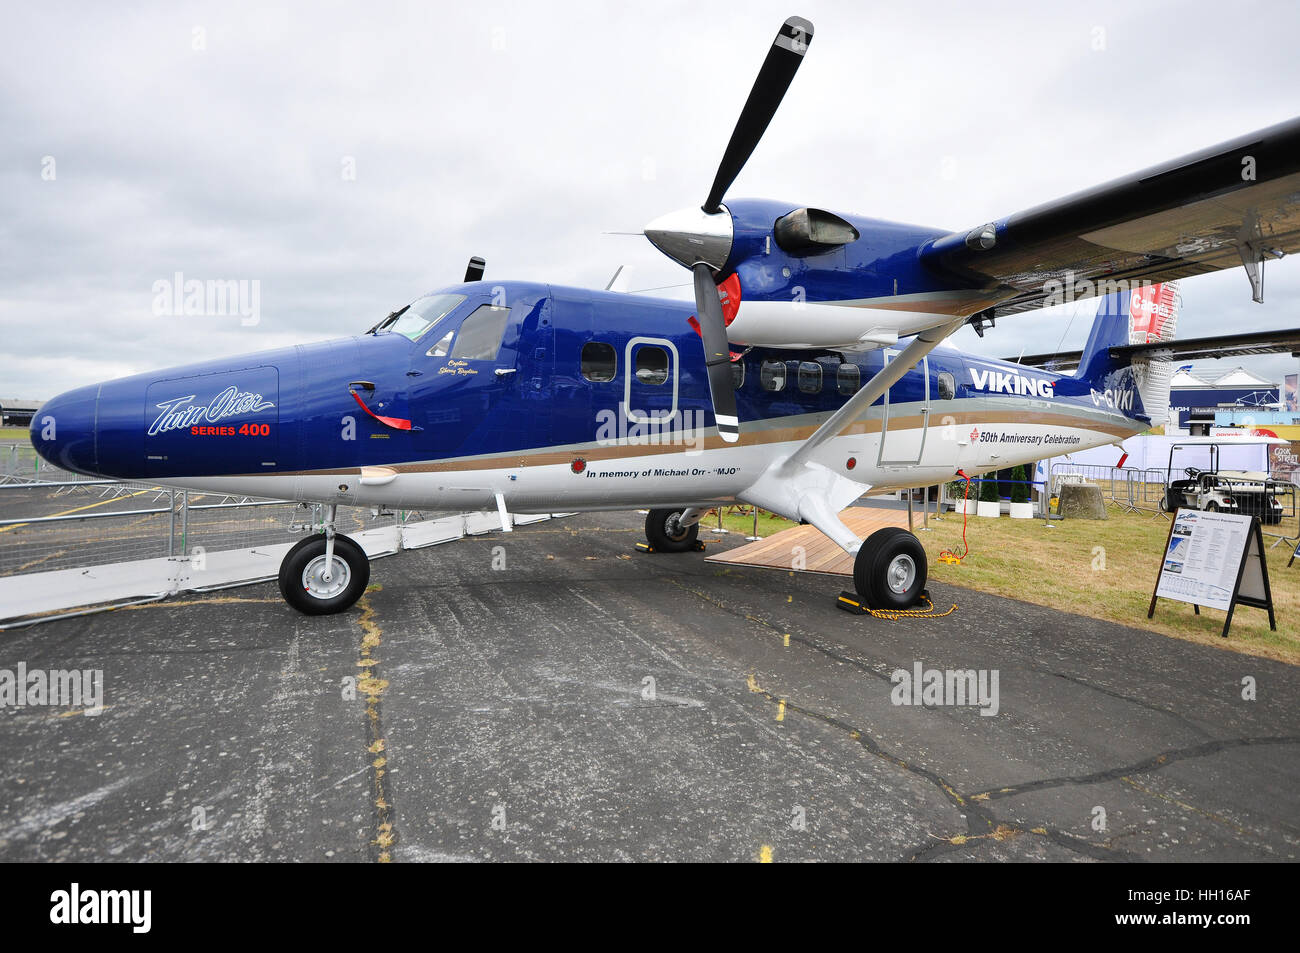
(63, 430)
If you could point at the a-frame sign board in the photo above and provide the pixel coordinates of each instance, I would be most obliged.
(1217, 560)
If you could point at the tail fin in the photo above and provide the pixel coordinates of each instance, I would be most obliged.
(1144, 315)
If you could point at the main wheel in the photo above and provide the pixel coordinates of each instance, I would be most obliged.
(302, 576)
(890, 569)
(665, 532)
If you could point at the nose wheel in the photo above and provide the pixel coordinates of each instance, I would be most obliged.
(889, 571)
(673, 531)
(325, 573)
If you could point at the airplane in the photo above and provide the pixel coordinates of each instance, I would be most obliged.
(810, 370)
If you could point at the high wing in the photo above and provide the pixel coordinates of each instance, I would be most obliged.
(1234, 204)
(1285, 341)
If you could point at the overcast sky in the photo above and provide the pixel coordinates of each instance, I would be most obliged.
(215, 140)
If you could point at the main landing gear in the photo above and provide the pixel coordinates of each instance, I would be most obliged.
(889, 571)
(673, 531)
(325, 573)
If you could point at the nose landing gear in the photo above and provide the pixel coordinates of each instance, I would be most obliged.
(324, 573)
(673, 531)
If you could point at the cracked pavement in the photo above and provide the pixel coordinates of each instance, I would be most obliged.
(588, 702)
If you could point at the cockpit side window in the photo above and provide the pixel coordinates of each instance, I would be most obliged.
(442, 346)
(480, 336)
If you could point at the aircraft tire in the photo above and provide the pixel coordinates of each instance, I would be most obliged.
(300, 576)
(890, 569)
(660, 532)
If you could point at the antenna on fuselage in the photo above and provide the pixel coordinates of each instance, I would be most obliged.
(618, 282)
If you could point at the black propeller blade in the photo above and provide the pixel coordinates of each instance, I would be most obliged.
(773, 80)
(717, 353)
(475, 270)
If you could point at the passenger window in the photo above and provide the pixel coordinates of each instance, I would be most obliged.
(738, 374)
(772, 375)
(810, 377)
(480, 336)
(441, 348)
(651, 365)
(848, 379)
(947, 386)
(599, 362)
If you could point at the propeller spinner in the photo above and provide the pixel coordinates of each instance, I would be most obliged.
(701, 238)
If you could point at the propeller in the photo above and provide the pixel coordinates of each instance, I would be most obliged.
(717, 353)
(701, 238)
(773, 80)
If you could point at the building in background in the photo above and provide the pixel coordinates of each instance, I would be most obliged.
(18, 411)
(1196, 400)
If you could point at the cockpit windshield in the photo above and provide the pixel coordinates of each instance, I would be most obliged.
(420, 315)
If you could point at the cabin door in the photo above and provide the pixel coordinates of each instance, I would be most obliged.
(906, 416)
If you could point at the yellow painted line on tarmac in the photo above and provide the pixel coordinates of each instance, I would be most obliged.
(765, 854)
(88, 506)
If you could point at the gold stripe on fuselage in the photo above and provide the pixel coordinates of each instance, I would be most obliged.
(753, 436)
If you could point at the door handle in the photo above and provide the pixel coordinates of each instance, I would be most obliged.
(503, 371)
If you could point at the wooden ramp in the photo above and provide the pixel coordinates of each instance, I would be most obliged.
(819, 553)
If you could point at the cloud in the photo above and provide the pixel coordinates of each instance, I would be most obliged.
(212, 139)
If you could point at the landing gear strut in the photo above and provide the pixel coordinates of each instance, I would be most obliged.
(673, 531)
(889, 571)
(325, 573)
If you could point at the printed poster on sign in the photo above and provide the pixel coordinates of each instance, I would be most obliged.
(1203, 558)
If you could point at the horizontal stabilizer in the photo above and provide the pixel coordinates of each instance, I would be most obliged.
(1190, 349)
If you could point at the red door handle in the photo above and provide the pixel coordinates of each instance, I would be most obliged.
(397, 423)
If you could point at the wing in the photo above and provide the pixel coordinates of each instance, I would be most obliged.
(1218, 208)
(1286, 341)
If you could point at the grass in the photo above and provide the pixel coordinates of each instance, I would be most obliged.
(19, 434)
(740, 520)
(1100, 569)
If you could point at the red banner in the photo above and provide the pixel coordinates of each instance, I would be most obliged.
(1153, 311)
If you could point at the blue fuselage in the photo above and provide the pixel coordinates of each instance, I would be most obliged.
(569, 362)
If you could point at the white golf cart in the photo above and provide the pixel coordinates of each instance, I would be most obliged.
(1229, 491)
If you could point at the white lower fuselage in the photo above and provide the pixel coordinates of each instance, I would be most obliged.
(914, 449)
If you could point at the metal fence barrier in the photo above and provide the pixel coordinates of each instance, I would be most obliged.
(69, 542)
(1145, 490)
(1134, 490)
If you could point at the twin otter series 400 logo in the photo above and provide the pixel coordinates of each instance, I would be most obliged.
(181, 412)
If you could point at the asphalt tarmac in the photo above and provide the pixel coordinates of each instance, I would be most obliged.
(554, 695)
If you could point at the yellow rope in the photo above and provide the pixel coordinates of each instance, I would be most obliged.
(927, 613)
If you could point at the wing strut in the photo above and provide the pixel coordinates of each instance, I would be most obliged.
(800, 488)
